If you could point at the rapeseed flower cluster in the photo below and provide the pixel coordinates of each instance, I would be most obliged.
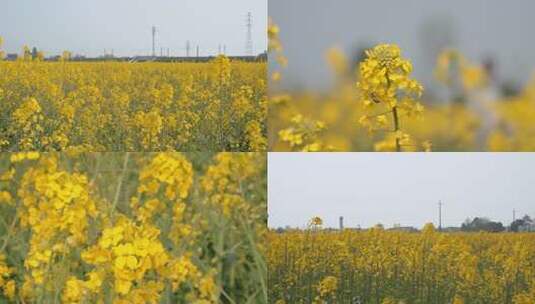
(384, 82)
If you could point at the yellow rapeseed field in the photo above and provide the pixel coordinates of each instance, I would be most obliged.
(132, 227)
(380, 107)
(391, 267)
(118, 106)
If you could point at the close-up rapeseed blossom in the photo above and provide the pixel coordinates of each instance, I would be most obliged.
(132, 227)
(413, 82)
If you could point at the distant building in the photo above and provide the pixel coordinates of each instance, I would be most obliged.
(12, 57)
(54, 58)
(262, 57)
(403, 228)
(451, 229)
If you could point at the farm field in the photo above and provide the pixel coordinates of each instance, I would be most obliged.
(132, 227)
(392, 267)
(117, 106)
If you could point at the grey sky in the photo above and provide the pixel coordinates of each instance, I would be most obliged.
(389, 188)
(479, 28)
(89, 27)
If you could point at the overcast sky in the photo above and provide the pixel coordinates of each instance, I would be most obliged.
(479, 28)
(404, 188)
(89, 27)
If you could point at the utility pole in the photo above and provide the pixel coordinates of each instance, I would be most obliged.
(153, 41)
(249, 37)
(197, 51)
(341, 219)
(225, 49)
(188, 46)
(514, 219)
(440, 215)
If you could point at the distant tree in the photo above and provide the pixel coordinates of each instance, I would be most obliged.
(26, 53)
(516, 224)
(379, 226)
(40, 56)
(496, 227)
(34, 53)
(525, 220)
(482, 224)
(66, 56)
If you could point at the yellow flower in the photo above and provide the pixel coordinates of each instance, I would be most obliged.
(5, 197)
(327, 286)
(385, 83)
(10, 289)
(73, 291)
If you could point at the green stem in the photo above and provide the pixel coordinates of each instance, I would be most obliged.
(119, 186)
(395, 115)
(396, 127)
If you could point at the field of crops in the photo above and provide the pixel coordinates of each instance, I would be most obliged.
(379, 106)
(116, 106)
(378, 266)
(132, 227)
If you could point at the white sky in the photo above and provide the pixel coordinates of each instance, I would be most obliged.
(89, 27)
(404, 188)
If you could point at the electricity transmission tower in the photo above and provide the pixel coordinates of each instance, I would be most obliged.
(249, 38)
(153, 41)
(188, 46)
